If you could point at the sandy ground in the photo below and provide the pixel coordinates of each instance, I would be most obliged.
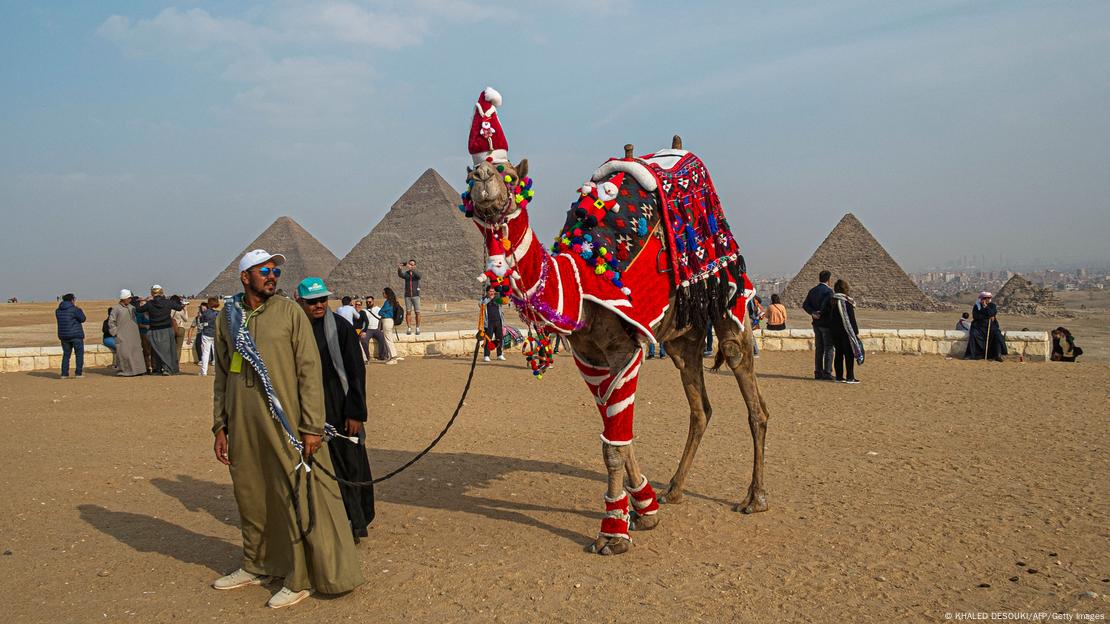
(894, 500)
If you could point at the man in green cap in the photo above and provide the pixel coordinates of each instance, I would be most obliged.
(265, 411)
(344, 375)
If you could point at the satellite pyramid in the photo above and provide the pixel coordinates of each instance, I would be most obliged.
(1019, 296)
(424, 224)
(850, 252)
(304, 256)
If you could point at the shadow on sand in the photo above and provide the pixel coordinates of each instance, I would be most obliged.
(148, 534)
(466, 472)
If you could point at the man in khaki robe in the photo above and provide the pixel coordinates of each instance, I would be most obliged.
(262, 460)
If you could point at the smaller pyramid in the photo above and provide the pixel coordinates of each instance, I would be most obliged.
(424, 224)
(876, 281)
(1019, 296)
(304, 256)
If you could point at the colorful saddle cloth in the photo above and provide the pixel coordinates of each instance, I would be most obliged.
(642, 228)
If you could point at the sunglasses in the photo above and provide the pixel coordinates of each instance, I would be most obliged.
(266, 271)
(316, 301)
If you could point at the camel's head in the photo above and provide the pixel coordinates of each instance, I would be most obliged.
(497, 191)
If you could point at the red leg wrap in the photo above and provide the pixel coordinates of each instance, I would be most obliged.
(615, 522)
(643, 499)
(615, 395)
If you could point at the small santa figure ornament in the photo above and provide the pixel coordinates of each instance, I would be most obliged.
(487, 140)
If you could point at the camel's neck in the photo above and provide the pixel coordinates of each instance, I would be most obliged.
(526, 254)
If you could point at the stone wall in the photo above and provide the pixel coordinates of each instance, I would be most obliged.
(1033, 346)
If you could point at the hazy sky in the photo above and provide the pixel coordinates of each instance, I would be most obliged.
(144, 142)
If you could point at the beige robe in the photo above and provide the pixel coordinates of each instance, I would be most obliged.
(263, 461)
(129, 346)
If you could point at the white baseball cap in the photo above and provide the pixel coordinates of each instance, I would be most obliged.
(125, 294)
(256, 257)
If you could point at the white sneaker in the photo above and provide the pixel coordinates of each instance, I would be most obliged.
(417, 331)
(485, 358)
(408, 332)
(287, 598)
(237, 579)
(391, 362)
(501, 357)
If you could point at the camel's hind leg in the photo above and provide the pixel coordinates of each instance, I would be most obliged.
(686, 353)
(736, 349)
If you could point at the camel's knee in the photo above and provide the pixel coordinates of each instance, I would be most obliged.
(757, 416)
(614, 456)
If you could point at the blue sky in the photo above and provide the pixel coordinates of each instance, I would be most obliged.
(144, 142)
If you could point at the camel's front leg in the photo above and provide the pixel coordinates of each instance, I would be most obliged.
(613, 539)
(614, 391)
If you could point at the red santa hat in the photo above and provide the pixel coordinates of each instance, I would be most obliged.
(487, 140)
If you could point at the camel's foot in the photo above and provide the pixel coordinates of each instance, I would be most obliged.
(755, 502)
(672, 497)
(613, 537)
(645, 523)
(604, 545)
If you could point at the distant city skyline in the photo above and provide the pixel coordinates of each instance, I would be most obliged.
(148, 142)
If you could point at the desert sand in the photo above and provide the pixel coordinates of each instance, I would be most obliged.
(935, 486)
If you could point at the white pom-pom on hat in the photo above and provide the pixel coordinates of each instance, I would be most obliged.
(492, 96)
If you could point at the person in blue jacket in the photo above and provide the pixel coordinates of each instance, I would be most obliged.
(71, 334)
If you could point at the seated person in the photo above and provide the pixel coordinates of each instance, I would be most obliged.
(1063, 346)
(964, 324)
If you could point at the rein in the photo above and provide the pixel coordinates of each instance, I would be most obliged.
(308, 463)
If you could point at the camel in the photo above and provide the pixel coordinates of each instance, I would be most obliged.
(608, 351)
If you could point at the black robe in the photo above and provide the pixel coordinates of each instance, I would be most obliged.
(981, 317)
(351, 462)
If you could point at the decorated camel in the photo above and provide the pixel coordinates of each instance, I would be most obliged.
(646, 255)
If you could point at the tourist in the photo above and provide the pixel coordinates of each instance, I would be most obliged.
(108, 340)
(412, 293)
(493, 323)
(361, 318)
(840, 318)
(158, 310)
(776, 314)
(196, 327)
(985, 340)
(71, 334)
(122, 324)
(256, 326)
(144, 329)
(347, 311)
(373, 331)
(180, 320)
(206, 332)
(389, 314)
(344, 375)
(756, 313)
(816, 300)
(1063, 346)
(651, 350)
(964, 324)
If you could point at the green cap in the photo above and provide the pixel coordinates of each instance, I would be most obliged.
(312, 288)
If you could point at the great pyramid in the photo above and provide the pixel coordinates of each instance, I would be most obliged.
(852, 253)
(425, 224)
(1019, 296)
(304, 256)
